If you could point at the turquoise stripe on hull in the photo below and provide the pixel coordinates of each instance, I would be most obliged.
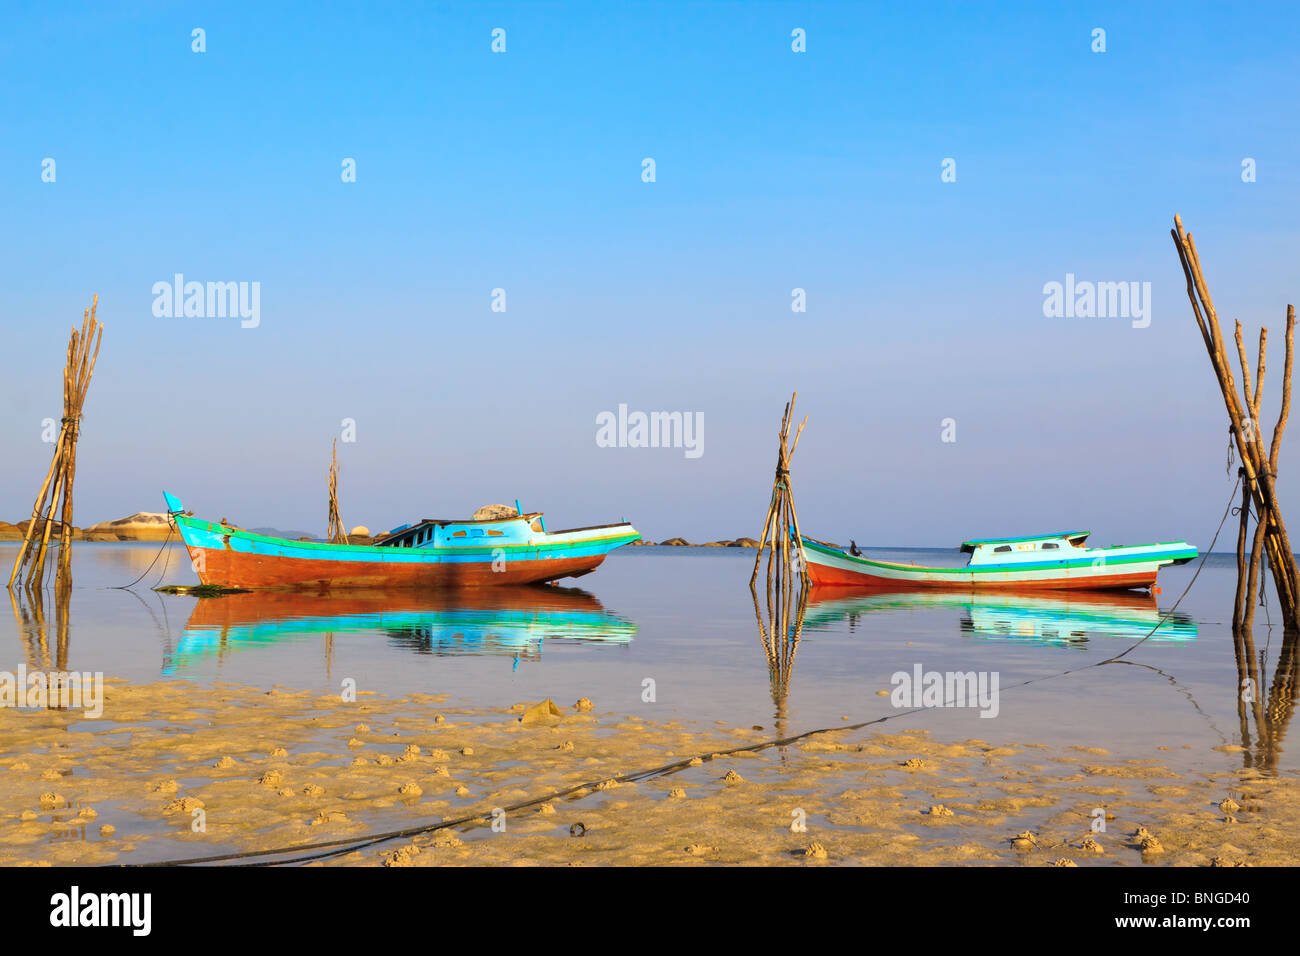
(1129, 557)
(204, 534)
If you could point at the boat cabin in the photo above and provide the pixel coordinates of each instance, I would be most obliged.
(435, 532)
(1038, 547)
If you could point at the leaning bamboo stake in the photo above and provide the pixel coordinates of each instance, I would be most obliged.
(55, 496)
(1239, 602)
(1259, 469)
(783, 554)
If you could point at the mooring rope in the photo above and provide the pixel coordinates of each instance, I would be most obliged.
(1204, 558)
(166, 541)
(332, 848)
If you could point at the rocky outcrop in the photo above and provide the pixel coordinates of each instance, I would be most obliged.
(494, 513)
(141, 526)
(683, 543)
(17, 532)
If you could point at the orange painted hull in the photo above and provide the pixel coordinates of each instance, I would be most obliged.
(236, 569)
(235, 610)
(823, 576)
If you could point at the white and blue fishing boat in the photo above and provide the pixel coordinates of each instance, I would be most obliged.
(1055, 561)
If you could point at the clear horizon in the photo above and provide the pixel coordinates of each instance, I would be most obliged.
(522, 171)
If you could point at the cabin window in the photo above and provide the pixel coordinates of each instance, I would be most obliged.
(1003, 547)
(1049, 546)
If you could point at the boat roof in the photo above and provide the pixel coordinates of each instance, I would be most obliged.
(1048, 536)
(400, 531)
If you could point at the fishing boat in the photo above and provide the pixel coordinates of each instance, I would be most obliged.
(427, 554)
(1038, 562)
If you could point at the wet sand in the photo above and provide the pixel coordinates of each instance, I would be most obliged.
(267, 769)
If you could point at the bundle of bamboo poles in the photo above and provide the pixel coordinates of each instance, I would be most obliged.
(335, 533)
(781, 515)
(56, 492)
(1258, 467)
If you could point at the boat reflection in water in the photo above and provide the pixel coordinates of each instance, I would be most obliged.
(508, 621)
(1062, 618)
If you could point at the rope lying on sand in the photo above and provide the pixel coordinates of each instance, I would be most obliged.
(331, 848)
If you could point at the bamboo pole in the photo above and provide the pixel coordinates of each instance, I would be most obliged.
(1259, 470)
(1240, 601)
(1261, 527)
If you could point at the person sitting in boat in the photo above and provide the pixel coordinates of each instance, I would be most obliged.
(853, 548)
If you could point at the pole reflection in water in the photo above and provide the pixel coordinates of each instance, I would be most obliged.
(780, 637)
(29, 615)
(1271, 714)
(30, 618)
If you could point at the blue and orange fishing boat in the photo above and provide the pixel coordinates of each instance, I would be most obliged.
(428, 554)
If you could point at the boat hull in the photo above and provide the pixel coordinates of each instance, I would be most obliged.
(1126, 569)
(229, 557)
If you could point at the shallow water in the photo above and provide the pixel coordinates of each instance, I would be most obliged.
(672, 633)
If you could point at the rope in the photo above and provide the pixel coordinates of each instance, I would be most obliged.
(166, 541)
(1222, 521)
(347, 845)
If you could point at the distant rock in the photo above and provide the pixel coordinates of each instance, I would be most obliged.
(640, 542)
(360, 530)
(683, 543)
(141, 526)
(17, 532)
(494, 513)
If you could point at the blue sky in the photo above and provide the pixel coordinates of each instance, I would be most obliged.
(522, 170)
